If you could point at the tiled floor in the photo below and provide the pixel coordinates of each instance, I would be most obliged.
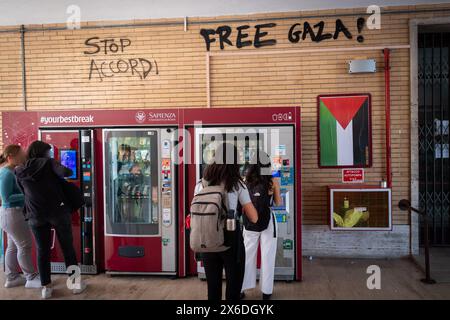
(323, 279)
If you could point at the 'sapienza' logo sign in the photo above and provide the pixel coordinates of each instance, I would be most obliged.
(140, 117)
(156, 116)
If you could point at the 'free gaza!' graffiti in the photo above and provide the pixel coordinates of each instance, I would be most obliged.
(100, 69)
(297, 32)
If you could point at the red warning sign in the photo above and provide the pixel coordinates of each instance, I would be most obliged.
(352, 175)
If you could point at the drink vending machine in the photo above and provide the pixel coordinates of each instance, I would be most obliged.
(137, 170)
(275, 131)
(75, 150)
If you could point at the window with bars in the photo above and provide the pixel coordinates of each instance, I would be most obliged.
(434, 165)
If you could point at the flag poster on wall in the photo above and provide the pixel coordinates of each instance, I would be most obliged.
(344, 130)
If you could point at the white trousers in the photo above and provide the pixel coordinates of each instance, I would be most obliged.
(268, 245)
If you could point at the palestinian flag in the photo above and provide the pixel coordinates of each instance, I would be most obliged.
(344, 130)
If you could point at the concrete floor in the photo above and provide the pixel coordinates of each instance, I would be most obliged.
(439, 263)
(323, 279)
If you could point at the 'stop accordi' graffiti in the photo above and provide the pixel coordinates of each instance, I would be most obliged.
(100, 69)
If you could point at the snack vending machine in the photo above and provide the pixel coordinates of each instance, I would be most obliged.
(139, 201)
(75, 150)
(275, 131)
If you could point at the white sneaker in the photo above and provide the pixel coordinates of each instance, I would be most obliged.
(34, 283)
(46, 292)
(17, 282)
(83, 287)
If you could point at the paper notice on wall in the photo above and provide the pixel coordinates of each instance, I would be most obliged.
(441, 128)
(441, 151)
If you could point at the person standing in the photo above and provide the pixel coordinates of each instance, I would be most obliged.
(264, 191)
(12, 221)
(224, 171)
(46, 209)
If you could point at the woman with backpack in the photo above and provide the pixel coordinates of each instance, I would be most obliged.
(40, 179)
(264, 191)
(12, 221)
(220, 193)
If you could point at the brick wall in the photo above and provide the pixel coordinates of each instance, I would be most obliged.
(58, 78)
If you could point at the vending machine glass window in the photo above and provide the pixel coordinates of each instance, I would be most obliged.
(131, 177)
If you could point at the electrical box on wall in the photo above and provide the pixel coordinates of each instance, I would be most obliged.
(362, 66)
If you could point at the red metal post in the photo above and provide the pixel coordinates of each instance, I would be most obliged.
(387, 90)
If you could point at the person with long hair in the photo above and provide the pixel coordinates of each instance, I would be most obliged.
(12, 221)
(224, 170)
(46, 208)
(264, 192)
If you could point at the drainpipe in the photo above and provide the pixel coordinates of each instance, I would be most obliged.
(387, 90)
(24, 76)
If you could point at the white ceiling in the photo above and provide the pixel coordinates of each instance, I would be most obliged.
(15, 12)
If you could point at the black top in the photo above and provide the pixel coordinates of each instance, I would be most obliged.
(262, 201)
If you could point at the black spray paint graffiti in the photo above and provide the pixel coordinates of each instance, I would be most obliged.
(101, 69)
(296, 33)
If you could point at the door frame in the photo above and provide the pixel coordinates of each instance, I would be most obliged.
(414, 121)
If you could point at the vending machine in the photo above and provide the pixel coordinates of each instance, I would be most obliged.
(275, 131)
(137, 170)
(123, 162)
(139, 200)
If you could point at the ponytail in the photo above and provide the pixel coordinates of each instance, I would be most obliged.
(2, 159)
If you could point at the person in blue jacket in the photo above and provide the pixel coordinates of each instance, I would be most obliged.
(12, 221)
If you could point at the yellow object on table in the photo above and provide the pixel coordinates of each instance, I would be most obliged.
(351, 218)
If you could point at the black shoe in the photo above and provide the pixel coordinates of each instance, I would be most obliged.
(266, 296)
(242, 296)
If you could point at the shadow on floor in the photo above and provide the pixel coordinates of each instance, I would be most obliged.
(439, 263)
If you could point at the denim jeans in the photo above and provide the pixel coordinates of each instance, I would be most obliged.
(62, 223)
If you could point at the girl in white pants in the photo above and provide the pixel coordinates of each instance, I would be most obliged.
(267, 239)
(264, 191)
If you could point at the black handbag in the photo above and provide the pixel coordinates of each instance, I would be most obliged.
(73, 195)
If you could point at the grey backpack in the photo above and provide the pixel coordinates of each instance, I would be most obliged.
(208, 214)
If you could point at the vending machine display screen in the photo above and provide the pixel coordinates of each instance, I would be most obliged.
(69, 159)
